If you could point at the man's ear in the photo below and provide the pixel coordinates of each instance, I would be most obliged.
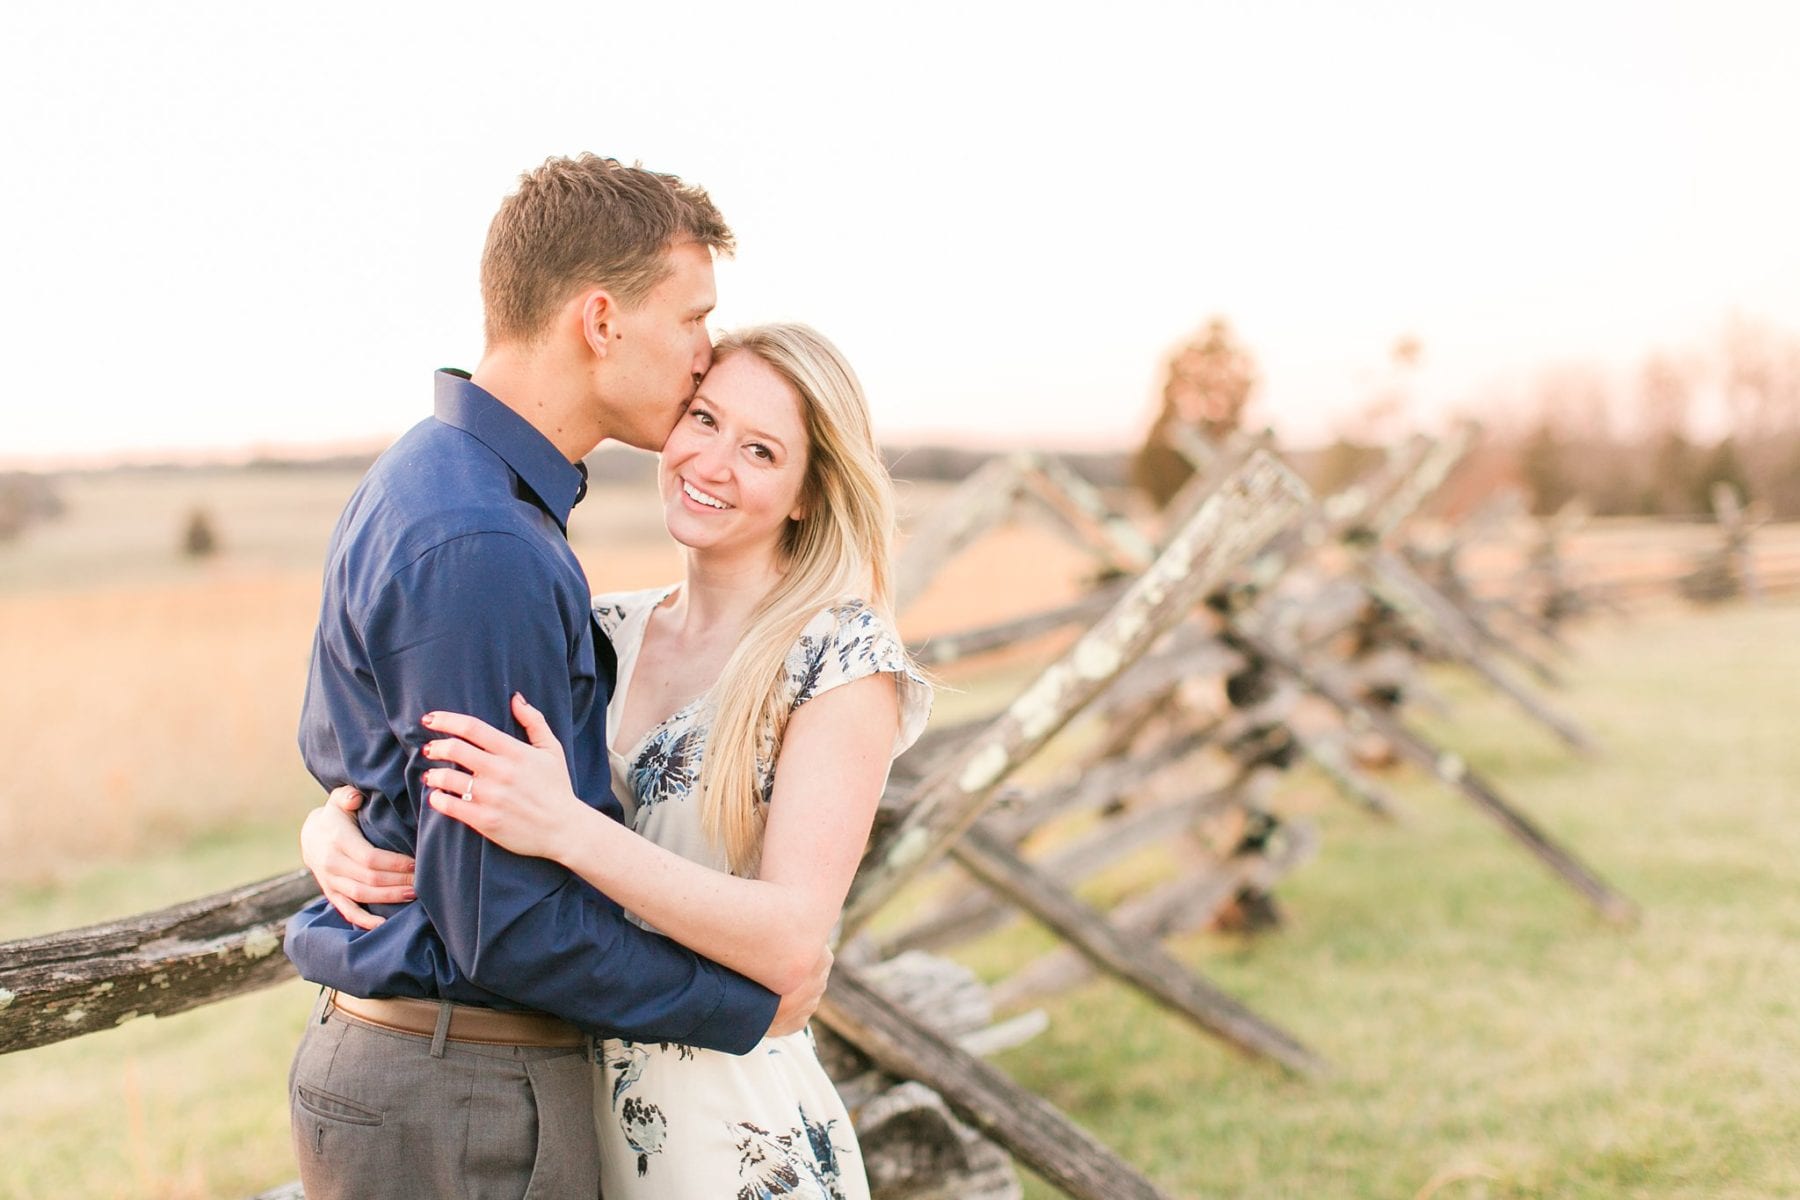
(599, 320)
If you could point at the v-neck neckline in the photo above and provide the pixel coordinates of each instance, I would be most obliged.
(628, 676)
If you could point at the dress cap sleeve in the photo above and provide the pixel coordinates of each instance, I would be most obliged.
(847, 642)
(613, 609)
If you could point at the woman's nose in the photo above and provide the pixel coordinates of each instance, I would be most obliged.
(713, 459)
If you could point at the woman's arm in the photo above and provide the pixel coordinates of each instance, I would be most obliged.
(828, 780)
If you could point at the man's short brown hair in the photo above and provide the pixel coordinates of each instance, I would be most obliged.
(584, 222)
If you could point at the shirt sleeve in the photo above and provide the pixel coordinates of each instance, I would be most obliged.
(850, 642)
(461, 629)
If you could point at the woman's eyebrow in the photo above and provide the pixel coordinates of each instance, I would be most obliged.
(703, 398)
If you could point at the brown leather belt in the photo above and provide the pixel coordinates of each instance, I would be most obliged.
(468, 1023)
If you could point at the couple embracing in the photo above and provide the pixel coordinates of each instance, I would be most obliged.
(584, 854)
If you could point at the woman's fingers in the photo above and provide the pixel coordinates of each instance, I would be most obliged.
(350, 871)
(350, 852)
(345, 898)
(353, 912)
(458, 809)
(471, 729)
(446, 780)
(348, 892)
(380, 863)
(333, 847)
(362, 893)
(537, 729)
(469, 757)
(380, 887)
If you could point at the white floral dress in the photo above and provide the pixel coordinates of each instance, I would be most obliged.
(679, 1123)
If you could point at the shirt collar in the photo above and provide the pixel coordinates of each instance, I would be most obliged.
(558, 484)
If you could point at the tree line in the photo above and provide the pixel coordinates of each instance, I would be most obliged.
(1650, 443)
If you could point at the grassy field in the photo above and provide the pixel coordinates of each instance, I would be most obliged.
(1490, 1038)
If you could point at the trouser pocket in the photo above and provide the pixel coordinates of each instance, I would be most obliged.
(330, 1107)
(376, 1117)
(341, 1143)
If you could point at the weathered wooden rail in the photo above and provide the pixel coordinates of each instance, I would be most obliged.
(65, 985)
(156, 964)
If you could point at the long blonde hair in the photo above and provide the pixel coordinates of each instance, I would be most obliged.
(840, 547)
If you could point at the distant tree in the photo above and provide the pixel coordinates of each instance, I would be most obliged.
(1760, 382)
(1669, 489)
(1761, 378)
(1722, 465)
(198, 539)
(1665, 394)
(1210, 380)
(1206, 385)
(12, 513)
(1781, 486)
(26, 498)
(1543, 463)
(1635, 450)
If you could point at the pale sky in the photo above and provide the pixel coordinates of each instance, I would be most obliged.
(237, 224)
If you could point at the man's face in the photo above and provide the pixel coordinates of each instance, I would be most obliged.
(660, 350)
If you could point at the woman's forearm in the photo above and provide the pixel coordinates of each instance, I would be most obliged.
(772, 929)
(767, 932)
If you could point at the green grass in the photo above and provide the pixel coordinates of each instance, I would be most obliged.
(1489, 1036)
(1487, 1032)
(178, 1108)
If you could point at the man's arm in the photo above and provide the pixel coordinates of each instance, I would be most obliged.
(460, 629)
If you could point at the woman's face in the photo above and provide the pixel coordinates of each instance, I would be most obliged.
(732, 469)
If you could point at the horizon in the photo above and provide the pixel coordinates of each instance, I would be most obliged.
(324, 453)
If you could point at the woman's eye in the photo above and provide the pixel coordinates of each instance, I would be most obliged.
(761, 451)
(704, 417)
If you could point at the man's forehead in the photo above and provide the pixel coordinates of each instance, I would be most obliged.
(691, 280)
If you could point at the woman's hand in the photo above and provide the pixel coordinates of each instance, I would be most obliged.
(511, 792)
(347, 868)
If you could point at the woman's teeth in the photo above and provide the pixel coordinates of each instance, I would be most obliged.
(696, 494)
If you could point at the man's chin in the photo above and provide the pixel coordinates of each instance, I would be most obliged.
(668, 431)
(650, 440)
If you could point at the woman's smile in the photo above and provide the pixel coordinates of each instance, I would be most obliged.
(703, 499)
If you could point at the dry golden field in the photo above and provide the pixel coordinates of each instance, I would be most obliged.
(150, 699)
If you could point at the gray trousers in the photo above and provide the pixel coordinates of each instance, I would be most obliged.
(379, 1115)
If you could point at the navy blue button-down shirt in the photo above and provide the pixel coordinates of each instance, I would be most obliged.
(450, 585)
